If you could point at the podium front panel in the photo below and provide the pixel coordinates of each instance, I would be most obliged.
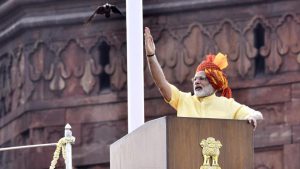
(185, 134)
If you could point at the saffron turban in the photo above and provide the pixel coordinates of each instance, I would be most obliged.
(213, 66)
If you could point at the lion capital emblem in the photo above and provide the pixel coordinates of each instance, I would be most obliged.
(210, 152)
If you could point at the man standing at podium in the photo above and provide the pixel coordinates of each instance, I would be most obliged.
(209, 78)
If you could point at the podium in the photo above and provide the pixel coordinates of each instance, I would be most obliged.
(174, 143)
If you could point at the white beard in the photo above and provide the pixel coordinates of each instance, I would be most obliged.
(206, 91)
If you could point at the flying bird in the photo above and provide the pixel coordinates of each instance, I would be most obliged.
(105, 9)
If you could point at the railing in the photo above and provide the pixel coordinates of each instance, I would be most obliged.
(63, 144)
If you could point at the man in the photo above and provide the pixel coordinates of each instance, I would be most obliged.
(209, 78)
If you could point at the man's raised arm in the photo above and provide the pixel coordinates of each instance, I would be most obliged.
(155, 68)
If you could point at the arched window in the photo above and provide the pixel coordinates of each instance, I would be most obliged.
(104, 78)
(259, 33)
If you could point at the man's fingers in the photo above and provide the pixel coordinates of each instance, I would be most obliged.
(253, 122)
(147, 31)
(148, 36)
(149, 40)
(149, 43)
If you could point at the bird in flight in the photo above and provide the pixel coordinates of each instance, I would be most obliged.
(105, 9)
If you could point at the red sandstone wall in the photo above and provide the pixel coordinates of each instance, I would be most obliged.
(50, 68)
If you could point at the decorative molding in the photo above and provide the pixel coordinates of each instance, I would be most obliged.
(195, 42)
(116, 68)
(226, 37)
(57, 82)
(88, 81)
(6, 61)
(176, 6)
(94, 47)
(41, 61)
(166, 52)
(117, 60)
(187, 50)
(18, 77)
(271, 51)
(237, 42)
(72, 56)
(287, 29)
(239, 47)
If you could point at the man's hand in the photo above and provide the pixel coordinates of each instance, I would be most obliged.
(149, 44)
(155, 68)
(253, 122)
(253, 117)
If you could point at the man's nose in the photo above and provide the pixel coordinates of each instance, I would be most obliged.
(197, 81)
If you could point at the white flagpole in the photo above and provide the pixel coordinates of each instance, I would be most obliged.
(135, 63)
(68, 160)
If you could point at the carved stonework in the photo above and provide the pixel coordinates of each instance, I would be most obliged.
(88, 80)
(5, 83)
(166, 46)
(72, 62)
(56, 77)
(116, 68)
(42, 63)
(196, 44)
(72, 57)
(90, 69)
(287, 30)
(227, 39)
(51, 72)
(18, 77)
(230, 40)
(95, 55)
(268, 51)
(271, 51)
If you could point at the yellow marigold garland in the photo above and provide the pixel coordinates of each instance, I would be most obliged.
(61, 145)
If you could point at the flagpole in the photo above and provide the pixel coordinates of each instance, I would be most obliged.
(135, 63)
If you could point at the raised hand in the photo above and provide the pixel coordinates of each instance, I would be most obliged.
(149, 44)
